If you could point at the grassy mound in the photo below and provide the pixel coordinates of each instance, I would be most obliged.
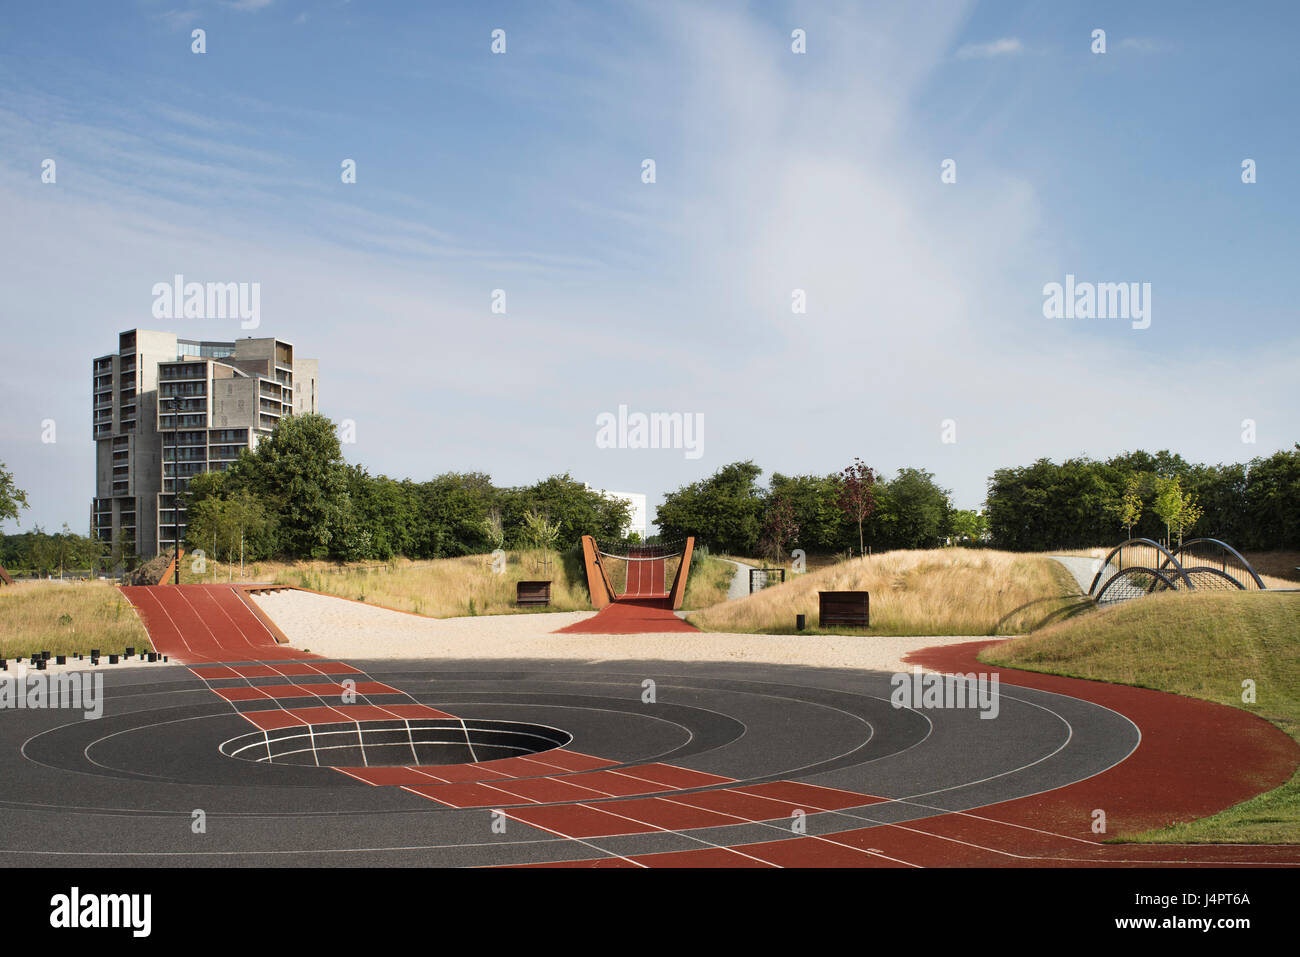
(707, 582)
(947, 591)
(464, 586)
(449, 587)
(67, 618)
(1200, 645)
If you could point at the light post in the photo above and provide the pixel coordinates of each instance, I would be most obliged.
(176, 498)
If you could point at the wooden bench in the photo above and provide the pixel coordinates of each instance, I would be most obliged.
(844, 609)
(532, 593)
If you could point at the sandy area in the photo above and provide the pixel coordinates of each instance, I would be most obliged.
(338, 628)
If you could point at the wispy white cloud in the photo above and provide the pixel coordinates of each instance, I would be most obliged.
(1142, 44)
(1007, 46)
(179, 19)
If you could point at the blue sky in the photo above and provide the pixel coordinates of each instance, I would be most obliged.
(775, 171)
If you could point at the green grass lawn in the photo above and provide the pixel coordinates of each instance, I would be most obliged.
(1199, 645)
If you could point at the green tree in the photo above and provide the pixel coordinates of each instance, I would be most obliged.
(723, 511)
(1169, 504)
(12, 498)
(1128, 509)
(539, 531)
(913, 511)
(237, 526)
(1272, 500)
(299, 474)
(493, 530)
(968, 526)
(812, 498)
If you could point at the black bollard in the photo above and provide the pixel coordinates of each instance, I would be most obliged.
(40, 664)
(45, 655)
(112, 659)
(94, 652)
(153, 656)
(800, 622)
(60, 659)
(129, 652)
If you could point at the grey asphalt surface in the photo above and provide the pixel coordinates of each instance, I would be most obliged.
(739, 586)
(122, 790)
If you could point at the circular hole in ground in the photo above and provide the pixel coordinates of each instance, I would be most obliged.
(395, 743)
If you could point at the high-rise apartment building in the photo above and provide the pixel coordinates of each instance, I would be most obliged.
(165, 409)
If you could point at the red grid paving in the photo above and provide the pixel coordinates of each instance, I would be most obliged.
(455, 773)
(389, 776)
(546, 790)
(578, 820)
(668, 815)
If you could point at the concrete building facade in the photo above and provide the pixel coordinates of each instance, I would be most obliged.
(164, 409)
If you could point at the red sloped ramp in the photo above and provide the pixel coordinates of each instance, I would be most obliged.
(646, 579)
(204, 623)
(631, 616)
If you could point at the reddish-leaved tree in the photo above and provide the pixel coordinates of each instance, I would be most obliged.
(857, 497)
(779, 527)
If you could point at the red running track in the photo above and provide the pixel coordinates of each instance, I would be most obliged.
(1195, 759)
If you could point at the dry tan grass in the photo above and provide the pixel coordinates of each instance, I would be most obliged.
(100, 617)
(1282, 566)
(949, 591)
(446, 587)
(706, 582)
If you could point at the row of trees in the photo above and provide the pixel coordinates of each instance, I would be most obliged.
(295, 496)
(41, 552)
(52, 553)
(1081, 502)
(845, 511)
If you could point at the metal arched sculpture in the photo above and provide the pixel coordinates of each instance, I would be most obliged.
(1208, 577)
(1169, 559)
(1124, 577)
(1189, 547)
